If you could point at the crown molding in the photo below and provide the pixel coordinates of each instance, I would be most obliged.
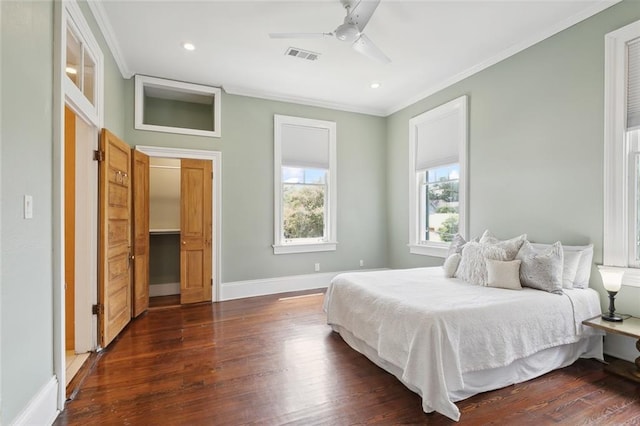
(255, 93)
(517, 48)
(101, 18)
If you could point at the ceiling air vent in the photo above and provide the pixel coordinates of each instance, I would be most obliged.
(302, 54)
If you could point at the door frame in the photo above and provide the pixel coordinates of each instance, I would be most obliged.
(64, 12)
(216, 199)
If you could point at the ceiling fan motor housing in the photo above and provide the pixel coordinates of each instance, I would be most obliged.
(347, 32)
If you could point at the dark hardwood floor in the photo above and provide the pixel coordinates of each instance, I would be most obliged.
(272, 360)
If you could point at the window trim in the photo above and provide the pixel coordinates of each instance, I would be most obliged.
(279, 246)
(617, 210)
(432, 248)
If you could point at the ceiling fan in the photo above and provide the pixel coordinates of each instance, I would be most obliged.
(351, 30)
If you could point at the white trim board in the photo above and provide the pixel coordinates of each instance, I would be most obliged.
(43, 407)
(165, 289)
(261, 287)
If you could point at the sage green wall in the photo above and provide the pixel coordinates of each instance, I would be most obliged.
(26, 167)
(26, 300)
(247, 187)
(172, 113)
(535, 148)
(164, 258)
(114, 84)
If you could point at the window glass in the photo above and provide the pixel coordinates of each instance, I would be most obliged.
(88, 77)
(303, 203)
(440, 203)
(74, 57)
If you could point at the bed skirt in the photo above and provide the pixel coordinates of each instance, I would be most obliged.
(518, 371)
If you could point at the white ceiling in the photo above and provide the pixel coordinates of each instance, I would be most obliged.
(431, 44)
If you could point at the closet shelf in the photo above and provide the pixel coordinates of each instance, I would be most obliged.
(163, 231)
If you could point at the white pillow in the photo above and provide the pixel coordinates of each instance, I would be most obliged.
(541, 269)
(569, 268)
(503, 274)
(511, 246)
(472, 267)
(583, 273)
(451, 265)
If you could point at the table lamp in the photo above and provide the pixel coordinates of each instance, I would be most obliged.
(612, 281)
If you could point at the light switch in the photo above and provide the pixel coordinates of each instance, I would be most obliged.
(28, 207)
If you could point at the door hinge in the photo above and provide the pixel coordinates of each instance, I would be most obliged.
(97, 309)
(211, 175)
(98, 155)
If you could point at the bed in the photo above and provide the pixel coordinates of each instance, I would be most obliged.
(447, 340)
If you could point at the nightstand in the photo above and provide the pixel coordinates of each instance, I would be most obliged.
(629, 327)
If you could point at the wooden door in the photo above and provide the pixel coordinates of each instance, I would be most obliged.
(195, 231)
(140, 199)
(114, 243)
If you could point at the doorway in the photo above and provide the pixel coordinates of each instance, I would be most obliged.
(80, 217)
(174, 260)
(164, 232)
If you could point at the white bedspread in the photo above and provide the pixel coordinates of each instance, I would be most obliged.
(435, 328)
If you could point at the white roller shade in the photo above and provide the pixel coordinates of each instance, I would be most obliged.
(437, 141)
(305, 146)
(633, 85)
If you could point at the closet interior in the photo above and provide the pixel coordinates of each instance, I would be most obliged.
(164, 232)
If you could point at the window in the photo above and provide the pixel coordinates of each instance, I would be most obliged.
(621, 245)
(439, 203)
(177, 107)
(82, 59)
(437, 182)
(305, 185)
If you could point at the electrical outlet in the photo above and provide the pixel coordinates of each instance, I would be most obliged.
(317, 267)
(361, 262)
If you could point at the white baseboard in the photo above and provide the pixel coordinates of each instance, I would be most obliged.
(240, 289)
(43, 407)
(167, 289)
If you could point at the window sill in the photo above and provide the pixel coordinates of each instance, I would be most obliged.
(303, 248)
(429, 250)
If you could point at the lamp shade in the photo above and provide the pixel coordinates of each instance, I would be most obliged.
(611, 277)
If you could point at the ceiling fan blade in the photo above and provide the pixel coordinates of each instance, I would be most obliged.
(360, 14)
(365, 46)
(299, 35)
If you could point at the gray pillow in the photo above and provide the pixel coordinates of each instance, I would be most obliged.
(511, 246)
(473, 267)
(583, 272)
(457, 243)
(542, 269)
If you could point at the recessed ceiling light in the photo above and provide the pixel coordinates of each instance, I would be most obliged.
(188, 46)
(375, 85)
(71, 70)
